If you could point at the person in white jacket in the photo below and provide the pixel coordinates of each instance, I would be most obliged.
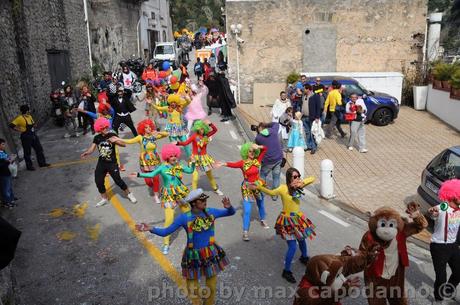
(358, 109)
(279, 108)
(444, 246)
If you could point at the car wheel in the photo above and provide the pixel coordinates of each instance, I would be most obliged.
(382, 117)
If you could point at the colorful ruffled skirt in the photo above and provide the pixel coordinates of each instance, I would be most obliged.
(170, 195)
(294, 226)
(251, 195)
(176, 130)
(149, 158)
(203, 162)
(207, 262)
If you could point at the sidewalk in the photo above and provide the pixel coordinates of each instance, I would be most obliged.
(389, 174)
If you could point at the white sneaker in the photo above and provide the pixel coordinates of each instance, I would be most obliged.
(102, 202)
(350, 148)
(245, 236)
(165, 249)
(363, 150)
(156, 199)
(67, 135)
(132, 198)
(219, 192)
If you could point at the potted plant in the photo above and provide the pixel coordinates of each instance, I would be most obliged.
(442, 73)
(455, 82)
(418, 78)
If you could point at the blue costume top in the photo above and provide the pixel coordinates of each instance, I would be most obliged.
(202, 256)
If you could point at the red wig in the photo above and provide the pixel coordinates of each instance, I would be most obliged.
(450, 190)
(142, 124)
(169, 150)
(100, 124)
(103, 108)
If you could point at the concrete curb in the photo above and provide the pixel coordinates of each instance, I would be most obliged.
(338, 203)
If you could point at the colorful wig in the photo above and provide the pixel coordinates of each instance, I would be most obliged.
(245, 148)
(169, 150)
(142, 124)
(103, 108)
(174, 98)
(100, 124)
(199, 124)
(450, 190)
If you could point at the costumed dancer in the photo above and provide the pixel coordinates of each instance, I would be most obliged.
(292, 225)
(173, 189)
(252, 155)
(195, 109)
(149, 159)
(105, 141)
(199, 140)
(444, 249)
(297, 133)
(176, 127)
(203, 257)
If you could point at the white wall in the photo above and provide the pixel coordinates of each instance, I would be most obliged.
(441, 105)
(386, 82)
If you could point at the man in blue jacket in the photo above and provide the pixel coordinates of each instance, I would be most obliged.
(273, 159)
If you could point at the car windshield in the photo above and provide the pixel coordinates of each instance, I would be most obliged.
(164, 50)
(363, 89)
(445, 166)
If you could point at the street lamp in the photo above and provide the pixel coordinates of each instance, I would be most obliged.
(236, 29)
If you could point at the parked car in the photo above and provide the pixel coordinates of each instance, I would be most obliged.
(167, 51)
(444, 166)
(382, 108)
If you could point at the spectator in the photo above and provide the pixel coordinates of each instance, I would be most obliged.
(25, 124)
(6, 179)
(213, 61)
(280, 106)
(303, 80)
(333, 103)
(105, 82)
(297, 133)
(198, 68)
(273, 160)
(112, 92)
(296, 99)
(311, 110)
(221, 65)
(128, 78)
(183, 68)
(357, 108)
(149, 73)
(87, 101)
(207, 69)
(285, 121)
(320, 88)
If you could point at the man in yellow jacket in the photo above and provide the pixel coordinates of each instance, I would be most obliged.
(334, 99)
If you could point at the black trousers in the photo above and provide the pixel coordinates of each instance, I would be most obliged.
(30, 140)
(80, 118)
(334, 121)
(443, 255)
(127, 120)
(88, 121)
(102, 168)
(225, 107)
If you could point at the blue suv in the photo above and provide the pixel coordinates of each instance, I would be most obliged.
(382, 108)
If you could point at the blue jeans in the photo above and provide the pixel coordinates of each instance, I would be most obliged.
(247, 206)
(6, 187)
(308, 135)
(276, 173)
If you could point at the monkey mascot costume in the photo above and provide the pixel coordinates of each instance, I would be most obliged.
(324, 282)
(384, 278)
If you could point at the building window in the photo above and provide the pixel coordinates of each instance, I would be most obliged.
(153, 15)
(164, 36)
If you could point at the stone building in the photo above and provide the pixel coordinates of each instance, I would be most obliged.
(282, 36)
(43, 43)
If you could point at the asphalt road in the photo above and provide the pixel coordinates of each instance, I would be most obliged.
(104, 262)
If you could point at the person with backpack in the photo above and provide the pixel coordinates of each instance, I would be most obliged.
(198, 69)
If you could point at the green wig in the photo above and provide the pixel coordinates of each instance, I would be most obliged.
(245, 149)
(199, 124)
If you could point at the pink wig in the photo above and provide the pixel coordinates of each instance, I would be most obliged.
(169, 150)
(142, 124)
(100, 124)
(450, 190)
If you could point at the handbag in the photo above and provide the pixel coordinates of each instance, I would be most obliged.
(13, 167)
(350, 116)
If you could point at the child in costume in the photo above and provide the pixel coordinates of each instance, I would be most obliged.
(105, 141)
(252, 155)
(202, 257)
(176, 127)
(292, 225)
(297, 133)
(195, 109)
(199, 140)
(173, 189)
(149, 159)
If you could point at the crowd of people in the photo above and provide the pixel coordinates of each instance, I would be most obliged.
(304, 108)
(173, 110)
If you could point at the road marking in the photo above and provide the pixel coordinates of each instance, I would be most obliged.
(155, 253)
(65, 163)
(337, 220)
(233, 134)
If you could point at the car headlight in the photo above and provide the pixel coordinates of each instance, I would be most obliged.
(394, 101)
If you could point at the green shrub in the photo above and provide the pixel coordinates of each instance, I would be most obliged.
(455, 79)
(292, 78)
(443, 71)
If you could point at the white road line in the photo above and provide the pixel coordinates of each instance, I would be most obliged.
(233, 134)
(337, 220)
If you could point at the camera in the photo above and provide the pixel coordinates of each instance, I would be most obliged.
(254, 127)
(239, 39)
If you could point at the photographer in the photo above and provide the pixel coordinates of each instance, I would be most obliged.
(285, 122)
(273, 161)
